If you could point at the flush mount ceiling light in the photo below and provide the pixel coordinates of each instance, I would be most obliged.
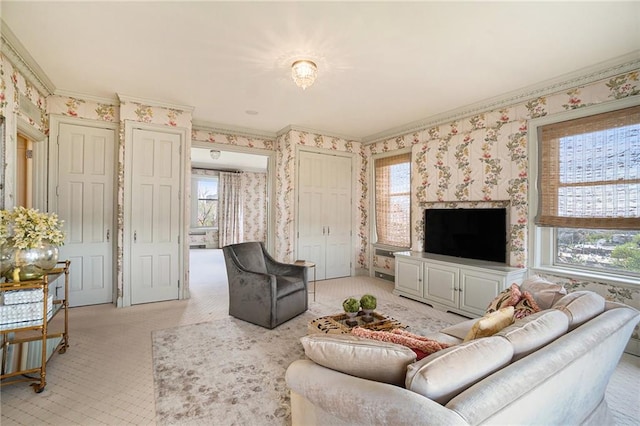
(304, 73)
(214, 154)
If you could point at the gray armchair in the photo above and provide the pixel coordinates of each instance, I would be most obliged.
(263, 291)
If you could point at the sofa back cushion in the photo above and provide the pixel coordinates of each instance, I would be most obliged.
(360, 357)
(544, 292)
(580, 307)
(444, 374)
(533, 332)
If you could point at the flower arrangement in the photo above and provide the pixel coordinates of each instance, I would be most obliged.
(25, 228)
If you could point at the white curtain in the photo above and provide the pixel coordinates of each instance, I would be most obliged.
(230, 208)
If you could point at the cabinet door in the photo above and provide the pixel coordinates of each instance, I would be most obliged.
(409, 277)
(441, 284)
(478, 289)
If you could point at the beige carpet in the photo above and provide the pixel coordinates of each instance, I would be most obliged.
(230, 372)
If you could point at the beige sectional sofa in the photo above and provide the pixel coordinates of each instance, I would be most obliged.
(548, 368)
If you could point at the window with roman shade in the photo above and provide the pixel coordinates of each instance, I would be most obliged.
(589, 172)
(393, 200)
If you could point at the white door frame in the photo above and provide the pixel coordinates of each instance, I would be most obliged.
(271, 178)
(182, 132)
(354, 178)
(49, 202)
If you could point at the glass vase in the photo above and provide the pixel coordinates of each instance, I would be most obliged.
(27, 264)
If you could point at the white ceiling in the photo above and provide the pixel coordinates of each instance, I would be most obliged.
(381, 65)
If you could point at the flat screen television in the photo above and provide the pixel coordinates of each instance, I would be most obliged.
(470, 233)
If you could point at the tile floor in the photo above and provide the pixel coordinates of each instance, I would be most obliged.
(105, 378)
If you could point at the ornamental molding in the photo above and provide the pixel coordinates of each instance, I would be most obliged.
(81, 96)
(295, 128)
(24, 63)
(601, 71)
(223, 129)
(154, 103)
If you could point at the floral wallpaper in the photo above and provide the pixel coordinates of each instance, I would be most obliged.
(12, 85)
(80, 108)
(254, 206)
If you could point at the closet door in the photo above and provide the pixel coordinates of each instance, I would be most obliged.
(337, 213)
(154, 210)
(324, 213)
(311, 227)
(85, 194)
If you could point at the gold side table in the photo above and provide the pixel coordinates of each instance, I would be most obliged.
(309, 265)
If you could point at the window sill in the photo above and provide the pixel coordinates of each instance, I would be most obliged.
(617, 280)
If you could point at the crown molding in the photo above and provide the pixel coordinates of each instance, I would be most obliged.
(98, 99)
(293, 127)
(153, 102)
(610, 68)
(18, 55)
(225, 129)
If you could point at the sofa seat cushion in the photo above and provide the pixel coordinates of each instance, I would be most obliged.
(444, 374)
(545, 293)
(580, 307)
(491, 323)
(287, 285)
(533, 332)
(360, 357)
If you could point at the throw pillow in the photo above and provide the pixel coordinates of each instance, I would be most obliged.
(491, 323)
(421, 345)
(364, 358)
(545, 293)
(508, 297)
(526, 306)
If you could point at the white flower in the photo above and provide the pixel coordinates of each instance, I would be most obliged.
(28, 228)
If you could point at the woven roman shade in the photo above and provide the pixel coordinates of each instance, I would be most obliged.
(589, 172)
(393, 200)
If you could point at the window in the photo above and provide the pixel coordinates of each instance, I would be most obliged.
(393, 200)
(204, 196)
(588, 193)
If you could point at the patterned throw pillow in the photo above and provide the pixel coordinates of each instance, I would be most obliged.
(509, 297)
(526, 306)
(421, 345)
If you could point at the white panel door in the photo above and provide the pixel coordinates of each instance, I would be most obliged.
(324, 213)
(337, 210)
(311, 230)
(155, 216)
(86, 165)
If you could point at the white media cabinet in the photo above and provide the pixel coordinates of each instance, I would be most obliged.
(463, 286)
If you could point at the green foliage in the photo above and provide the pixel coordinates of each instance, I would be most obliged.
(368, 301)
(351, 304)
(628, 255)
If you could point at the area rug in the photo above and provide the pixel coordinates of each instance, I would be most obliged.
(230, 372)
